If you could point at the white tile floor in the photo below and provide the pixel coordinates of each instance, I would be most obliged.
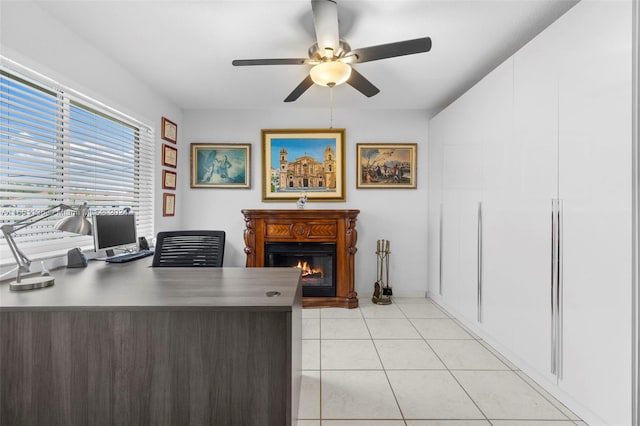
(411, 364)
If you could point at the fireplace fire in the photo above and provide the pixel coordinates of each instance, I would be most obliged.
(308, 272)
(316, 262)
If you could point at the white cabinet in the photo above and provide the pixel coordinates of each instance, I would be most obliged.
(473, 135)
(461, 191)
(434, 237)
(518, 194)
(594, 152)
(460, 196)
(551, 123)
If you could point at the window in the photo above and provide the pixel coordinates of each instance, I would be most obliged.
(57, 146)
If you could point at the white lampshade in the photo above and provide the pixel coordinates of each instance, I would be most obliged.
(330, 74)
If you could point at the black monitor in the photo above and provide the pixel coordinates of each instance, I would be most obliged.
(113, 231)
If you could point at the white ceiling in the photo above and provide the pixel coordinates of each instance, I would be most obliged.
(183, 49)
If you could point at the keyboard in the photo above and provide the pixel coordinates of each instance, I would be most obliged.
(128, 257)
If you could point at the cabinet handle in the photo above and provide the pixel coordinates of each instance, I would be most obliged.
(554, 284)
(556, 288)
(480, 261)
(440, 244)
(559, 295)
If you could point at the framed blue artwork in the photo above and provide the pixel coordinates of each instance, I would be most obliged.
(220, 165)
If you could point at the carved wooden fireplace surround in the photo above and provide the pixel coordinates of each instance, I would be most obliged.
(318, 226)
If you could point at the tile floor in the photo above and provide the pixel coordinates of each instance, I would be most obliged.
(411, 364)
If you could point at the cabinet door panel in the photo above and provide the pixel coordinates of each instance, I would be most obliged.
(517, 215)
(462, 181)
(450, 248)
(435, 164)
(595, 185)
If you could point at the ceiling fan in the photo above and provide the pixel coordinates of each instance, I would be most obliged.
(332, 57)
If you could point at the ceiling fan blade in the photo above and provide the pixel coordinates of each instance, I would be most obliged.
(325, 19)
(361, 84)
(390, 50)
(290, 61)
(300, 89)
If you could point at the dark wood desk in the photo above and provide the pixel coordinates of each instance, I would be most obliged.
(127, 344)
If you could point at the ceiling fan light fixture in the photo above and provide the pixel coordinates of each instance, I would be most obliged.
(330, 74)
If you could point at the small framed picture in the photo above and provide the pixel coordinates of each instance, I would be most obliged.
(168, 204)
(169, 130)
(386, 166)
(215, 165)
(169, 179)
(169, 156)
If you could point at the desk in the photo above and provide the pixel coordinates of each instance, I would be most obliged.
(128, 344)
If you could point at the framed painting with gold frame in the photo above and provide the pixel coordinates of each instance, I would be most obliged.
(303, 161)
(216, 165)
(386, 166)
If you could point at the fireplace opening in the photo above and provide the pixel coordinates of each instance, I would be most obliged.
(316, 261)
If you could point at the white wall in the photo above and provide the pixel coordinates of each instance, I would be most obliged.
(396, 215)
(32, 38)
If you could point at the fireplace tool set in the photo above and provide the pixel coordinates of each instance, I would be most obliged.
(382, 291)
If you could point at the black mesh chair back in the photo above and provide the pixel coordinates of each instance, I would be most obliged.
(189, 248)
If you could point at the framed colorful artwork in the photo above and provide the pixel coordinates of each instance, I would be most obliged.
(216, 165)
(303, 161)
(169, 130)
(386, 166)
(169, 156)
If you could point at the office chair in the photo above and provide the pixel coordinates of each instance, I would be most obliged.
(189, 248)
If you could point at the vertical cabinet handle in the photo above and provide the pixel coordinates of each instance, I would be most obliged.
(556, 288)
(559, 294)
(554, 284)
(441, 254)
(479, 261)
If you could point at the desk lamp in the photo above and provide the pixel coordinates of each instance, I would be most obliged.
(78, 224)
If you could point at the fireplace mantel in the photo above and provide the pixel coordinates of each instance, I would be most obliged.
(322, 226)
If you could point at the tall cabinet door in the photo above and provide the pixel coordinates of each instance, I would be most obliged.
(595, 188)
(521, 183)
(461, 192)
(462, 177)
(434, 237)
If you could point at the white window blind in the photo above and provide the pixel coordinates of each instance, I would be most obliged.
(58, 146)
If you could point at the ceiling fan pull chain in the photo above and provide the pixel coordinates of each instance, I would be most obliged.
(331, 107)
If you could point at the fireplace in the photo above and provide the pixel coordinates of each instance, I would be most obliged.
(316, 261)
(282, 236)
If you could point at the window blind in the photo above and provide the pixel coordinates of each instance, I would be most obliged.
(58, 146)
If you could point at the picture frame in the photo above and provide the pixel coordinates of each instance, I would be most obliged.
(169, 130)
(297, 162)
(169, 179)
(168, 204)
(169, 156)
(219, 165)
(386, 166)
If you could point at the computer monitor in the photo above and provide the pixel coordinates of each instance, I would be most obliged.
(113, 231)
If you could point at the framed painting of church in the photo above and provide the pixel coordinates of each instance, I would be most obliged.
(298, 162)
